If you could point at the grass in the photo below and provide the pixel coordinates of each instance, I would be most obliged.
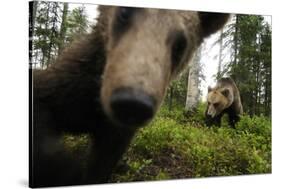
(174, 146)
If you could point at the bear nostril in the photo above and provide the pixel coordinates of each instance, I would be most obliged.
(131, 107)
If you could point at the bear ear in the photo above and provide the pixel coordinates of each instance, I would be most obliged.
(212, 22)
(225, 92)
(209, 89)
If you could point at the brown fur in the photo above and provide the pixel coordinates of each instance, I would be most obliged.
(144, 62)
(73, 94)
(224, 98)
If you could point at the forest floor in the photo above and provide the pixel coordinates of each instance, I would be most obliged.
(174, 146)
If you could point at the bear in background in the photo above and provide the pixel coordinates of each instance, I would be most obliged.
(223, 98)
(108, 84)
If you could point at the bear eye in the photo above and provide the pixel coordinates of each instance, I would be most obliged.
(178, 49)
(216, 104)
(122, 21)
(125, 13)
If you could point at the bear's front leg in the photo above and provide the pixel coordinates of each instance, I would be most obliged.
(233, 119)
(50, 163)
(109, 143)
(217, 120)
(213, 121)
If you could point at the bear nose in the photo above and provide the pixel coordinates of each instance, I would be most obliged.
(132, 107)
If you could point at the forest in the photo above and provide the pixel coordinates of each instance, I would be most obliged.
(177, 143)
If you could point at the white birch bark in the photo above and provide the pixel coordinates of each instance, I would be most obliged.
(192, 96)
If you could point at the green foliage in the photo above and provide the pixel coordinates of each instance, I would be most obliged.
(179, 114)
(76, 144)
(250, 39)
(46, 32)
(162, 176)
(176, 146)
(259, 125)
(77, 23)
(54, 28)
(197, 117)
(176, 93)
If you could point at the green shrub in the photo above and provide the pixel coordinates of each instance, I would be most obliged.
(176, 146)
(258, 125)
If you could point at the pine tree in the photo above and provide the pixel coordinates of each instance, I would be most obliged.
(249, 37)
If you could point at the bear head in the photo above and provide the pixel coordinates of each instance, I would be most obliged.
(146, 49)
(218, 100)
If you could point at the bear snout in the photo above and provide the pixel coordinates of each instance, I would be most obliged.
(131, 107)
(211, 113)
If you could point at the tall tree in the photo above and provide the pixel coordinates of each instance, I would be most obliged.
(251, 48)
(32, 16)
(63, 28)
(219, 73)
(78, 23)
(53, 34)
(192, 96)
(265, 50)
(54, 27)
(42, 31)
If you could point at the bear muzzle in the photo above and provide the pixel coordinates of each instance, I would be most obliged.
(131, 107)
(211, 113)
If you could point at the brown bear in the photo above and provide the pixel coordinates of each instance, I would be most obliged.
(223, 98)
(108, 84)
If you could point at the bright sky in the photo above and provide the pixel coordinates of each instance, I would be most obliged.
(209, 62)
(209, 58)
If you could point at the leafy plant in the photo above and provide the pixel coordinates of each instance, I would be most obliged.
(179, 147)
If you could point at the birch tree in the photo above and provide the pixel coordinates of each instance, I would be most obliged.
(219, 74)
(192, 95)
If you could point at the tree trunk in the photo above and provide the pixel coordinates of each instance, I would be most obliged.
(63, 28)
(192, 96)
(219, 74)
(32, 17)
(236, 40)
(44, 49)
(171, 98)
(53, 31)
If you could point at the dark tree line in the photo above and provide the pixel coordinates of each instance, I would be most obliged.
(249, 38)
(54, 26)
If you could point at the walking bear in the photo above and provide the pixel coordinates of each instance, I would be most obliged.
(223, 98)
(108, 84)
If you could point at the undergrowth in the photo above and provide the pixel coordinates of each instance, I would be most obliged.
(175, 145)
